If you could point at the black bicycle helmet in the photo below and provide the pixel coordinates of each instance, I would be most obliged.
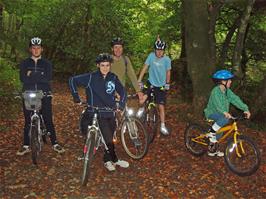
(117, 41)
(104, 57)
(35, 41)
(159, 45)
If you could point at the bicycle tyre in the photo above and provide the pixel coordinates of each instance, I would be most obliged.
(134, 138)
(34, 141)
(193, 131)
(152, 122)
(88, 152)
(250, 159)
(82, 128)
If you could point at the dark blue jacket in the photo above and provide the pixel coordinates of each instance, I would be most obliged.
(100, 91)
(40, 76)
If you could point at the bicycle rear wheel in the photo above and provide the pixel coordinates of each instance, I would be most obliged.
(152, 122)
(88, 152)
(249, 159)
(34, 141)
(134, 138)
(194, 142)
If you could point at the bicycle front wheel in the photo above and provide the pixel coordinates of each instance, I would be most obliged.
(243, 157)
(134, 138)
(194, 139)
(88, 152)
(152, 122)
(34, 141)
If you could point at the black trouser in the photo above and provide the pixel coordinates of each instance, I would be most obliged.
(47, 114)
(107, 127)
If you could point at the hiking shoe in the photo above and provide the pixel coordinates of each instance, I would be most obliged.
(23, 150)
(164, 130)
(122, 163)
(109, 166)
(216, 153)
(58, 148)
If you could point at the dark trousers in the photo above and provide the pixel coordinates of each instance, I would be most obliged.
(107, 127)
(47, 114)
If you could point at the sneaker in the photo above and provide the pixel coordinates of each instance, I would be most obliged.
(109, 166)
(58, 148)
(164, 130)
(122, 163)
(216, 153)
(23, 150)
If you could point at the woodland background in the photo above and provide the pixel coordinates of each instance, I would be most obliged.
(202, 36)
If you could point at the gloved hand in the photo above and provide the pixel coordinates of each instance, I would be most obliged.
(167, 87)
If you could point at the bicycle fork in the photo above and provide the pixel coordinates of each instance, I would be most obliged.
(236, 145)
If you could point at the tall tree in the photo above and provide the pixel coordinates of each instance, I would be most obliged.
(198, 50)
(240, 38)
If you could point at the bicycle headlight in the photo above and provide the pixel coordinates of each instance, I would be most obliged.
(130, 112)
(32, 95)
(140, 112)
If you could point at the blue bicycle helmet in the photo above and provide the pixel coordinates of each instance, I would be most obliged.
(222, 75)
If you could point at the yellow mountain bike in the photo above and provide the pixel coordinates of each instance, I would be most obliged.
(241, 154)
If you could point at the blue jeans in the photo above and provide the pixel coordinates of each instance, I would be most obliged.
(220, 120)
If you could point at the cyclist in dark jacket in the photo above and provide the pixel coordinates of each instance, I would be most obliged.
(101, 87)
(36, 74)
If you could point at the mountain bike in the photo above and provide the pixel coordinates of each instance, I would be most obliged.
(134, 136)
(94, 139)
(241, 154)
(150, 114)
(37, 132)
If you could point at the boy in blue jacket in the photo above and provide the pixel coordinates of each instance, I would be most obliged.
(101, 87)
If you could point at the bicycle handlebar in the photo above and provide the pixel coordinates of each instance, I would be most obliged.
(240, 117)
(97, 108)
(19, 95)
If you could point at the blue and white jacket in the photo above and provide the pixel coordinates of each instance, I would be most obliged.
(100, 91)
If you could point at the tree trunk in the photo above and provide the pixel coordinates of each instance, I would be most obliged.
(198, 51)
(227, 41)
(214, 10)
(240, 38)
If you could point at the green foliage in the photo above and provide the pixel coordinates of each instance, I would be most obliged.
(9, 78)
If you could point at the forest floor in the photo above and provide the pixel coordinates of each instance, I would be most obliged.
(167, 171)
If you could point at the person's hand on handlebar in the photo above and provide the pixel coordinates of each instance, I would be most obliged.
(227, 115)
